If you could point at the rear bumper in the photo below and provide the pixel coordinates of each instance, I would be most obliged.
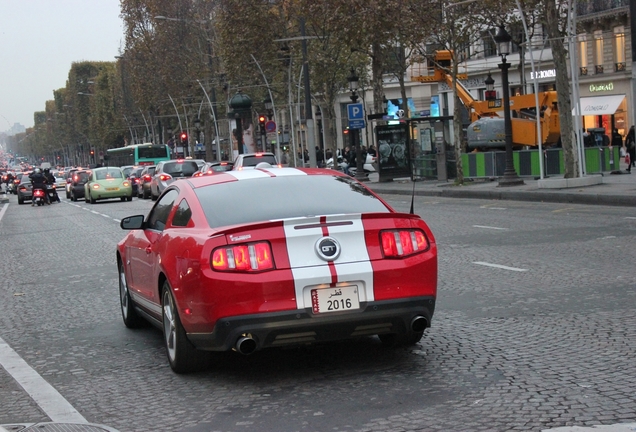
(302, 326)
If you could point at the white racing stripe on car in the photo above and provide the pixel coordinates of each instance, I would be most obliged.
(309, 270)
(44, 394)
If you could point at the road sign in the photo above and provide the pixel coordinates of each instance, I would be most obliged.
(355, 111)
(356, 124)
(270, 126)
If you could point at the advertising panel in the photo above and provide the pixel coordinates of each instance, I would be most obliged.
(393, 152)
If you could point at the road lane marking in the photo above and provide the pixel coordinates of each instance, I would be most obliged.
(44, 394)
(94, 212)
(630, 217)
(499, 266)
(106, 216)
(490, 227)
(4, 210)
(488, 206)
(563, 209)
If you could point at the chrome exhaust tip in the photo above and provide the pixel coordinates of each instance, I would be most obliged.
(245, 345)
(419, 324)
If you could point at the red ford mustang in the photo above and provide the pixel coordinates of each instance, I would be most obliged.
(251, 259)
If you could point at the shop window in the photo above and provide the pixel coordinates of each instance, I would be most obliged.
(619, 49)
(598, 51)
(582, 40)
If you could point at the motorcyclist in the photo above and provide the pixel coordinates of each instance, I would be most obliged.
(38, 181)
(50, 180)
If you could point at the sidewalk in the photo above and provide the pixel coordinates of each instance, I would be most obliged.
(614, 189)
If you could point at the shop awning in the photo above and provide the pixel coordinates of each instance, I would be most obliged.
(600, 105)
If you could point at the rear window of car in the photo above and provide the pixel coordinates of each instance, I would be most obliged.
(255, 160)
(185, 169)
(108, 174)
(221, 167)
(275, 198)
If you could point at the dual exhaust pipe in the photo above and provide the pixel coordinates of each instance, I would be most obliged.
(247, 345)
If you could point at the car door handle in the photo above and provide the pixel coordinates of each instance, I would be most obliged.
(148, 249)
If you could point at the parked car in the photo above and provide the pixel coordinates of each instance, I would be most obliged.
(77, 185)
(168, 171)
(210, 168)
(107, 183)
(217, 273)
(143, 189)
(135, 177)
(250, 160)
(24, 189)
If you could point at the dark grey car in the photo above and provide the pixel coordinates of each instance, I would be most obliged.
(169, 171)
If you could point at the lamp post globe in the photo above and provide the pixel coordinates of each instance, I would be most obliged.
(503, 41)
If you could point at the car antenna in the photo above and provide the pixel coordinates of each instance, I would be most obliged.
(412, 197)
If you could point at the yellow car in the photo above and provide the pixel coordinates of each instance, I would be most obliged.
(107, 183)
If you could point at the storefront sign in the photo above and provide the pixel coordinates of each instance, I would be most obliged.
(602, 87)
(550, 73)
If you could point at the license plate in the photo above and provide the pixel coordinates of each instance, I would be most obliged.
(112, 189)
(326, 300)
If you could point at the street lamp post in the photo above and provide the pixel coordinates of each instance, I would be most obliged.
(241, 104)
(353, 133)
(503, 40)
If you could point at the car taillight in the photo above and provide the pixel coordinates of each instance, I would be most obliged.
(146, 178)
(164, 177)
(136, 180)
(401, 243)
(251, 257)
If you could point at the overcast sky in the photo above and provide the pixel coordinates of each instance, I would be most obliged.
(40, 39)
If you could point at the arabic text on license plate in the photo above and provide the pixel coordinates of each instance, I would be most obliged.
(334, 299)
(112, 189)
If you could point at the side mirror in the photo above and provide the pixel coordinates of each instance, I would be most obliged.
(132, 222)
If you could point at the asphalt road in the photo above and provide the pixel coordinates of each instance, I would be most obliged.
(535, 328)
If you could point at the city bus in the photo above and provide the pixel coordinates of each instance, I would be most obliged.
(138, 154)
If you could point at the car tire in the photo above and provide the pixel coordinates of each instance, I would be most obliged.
(152, 197)
(20, 200)
(128, 312)
(122, 199)
(91, 199)
(68, 195)
(73, 197)
(145, 195)
(129, 198)
(182, 355)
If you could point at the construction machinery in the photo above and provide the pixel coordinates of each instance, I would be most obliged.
(487, 130)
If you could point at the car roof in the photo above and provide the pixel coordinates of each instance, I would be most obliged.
(230, 176)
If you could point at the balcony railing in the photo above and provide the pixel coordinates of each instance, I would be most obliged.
(619, 67)
(587, 7)
(598, 69)
(583, 70)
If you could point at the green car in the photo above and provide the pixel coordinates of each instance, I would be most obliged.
(106, 183)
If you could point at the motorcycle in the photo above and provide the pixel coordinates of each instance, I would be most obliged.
(38, 197)
(51, 191)
(368, 166)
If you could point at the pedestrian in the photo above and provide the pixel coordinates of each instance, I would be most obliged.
(630, 145)
(617, 139)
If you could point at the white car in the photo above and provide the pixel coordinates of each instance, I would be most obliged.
(250, 160)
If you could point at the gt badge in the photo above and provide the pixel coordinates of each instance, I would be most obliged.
(328, 248)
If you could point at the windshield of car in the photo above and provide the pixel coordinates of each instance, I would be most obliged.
(127, 171)
(183, 169)
(275, 198)
(255, 160)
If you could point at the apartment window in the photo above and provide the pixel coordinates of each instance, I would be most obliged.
(619, 49)
(464, 52)
(582, 39)
(598, 51)
(490, 48)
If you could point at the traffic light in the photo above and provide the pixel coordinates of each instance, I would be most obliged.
(184, 138)
(261, 122)
(92, 152)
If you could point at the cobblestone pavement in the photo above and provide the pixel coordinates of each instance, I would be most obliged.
(547, 345)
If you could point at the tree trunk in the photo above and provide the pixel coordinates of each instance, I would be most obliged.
(562, 88)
